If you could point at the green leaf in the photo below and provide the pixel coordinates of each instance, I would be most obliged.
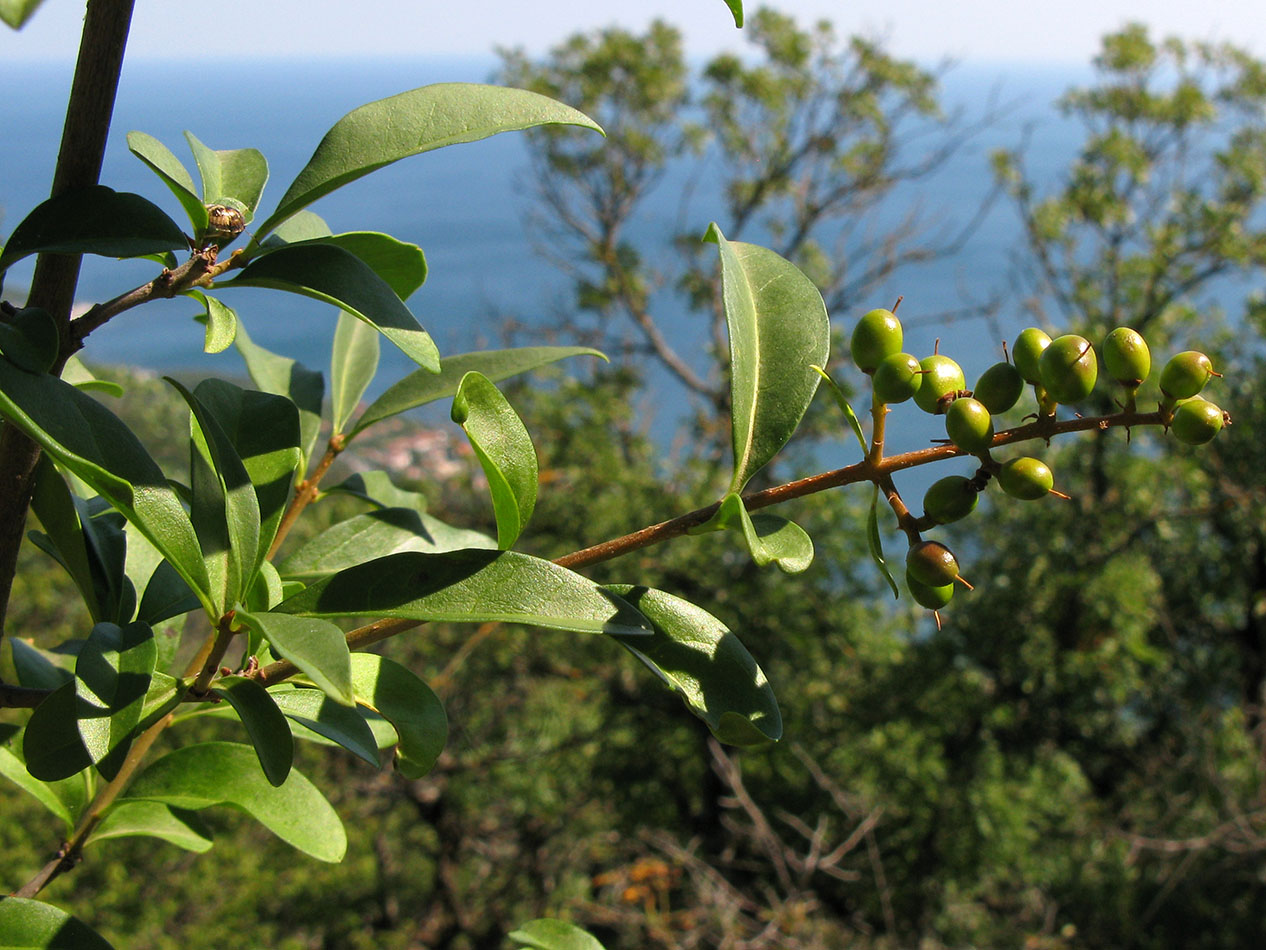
(234, 177)
(12, 768)
(352, 366)
(344, 725)
(172, 173)
(93, 220)
(472, 585)
(421, 387)
(697, 656)
(164, 594)
(504, 449)
(97, 446)
(388, 130)
(547, 934)
(264, 722)
(154, 820)
(770, 539)
(220, 320)
(16, 12)
(315, 646)
(377, 534)
(331, 274)
(40, 669)
(282, 376)
(33, 925)
(736, 8)
(112, 679)
(408, 704)
(30, 340)
(59, 517)
(877, 544)
(51, 744)
(78, 375)
(400, 264)
(215, 773)
(377, 488)
(842, 401)
(778, 331)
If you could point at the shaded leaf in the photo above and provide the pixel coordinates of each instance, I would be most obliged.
(315, 646)
(176, 826)
(377, 488)
(400, 264)
(877, 543)
(842, 401)
(341, 724)
(33, 925)
(264, 723)
(112, 679)
(78, 375)
(173, 174)
(353, 362)
(51, 744)
(234, 177)
(405, 701)
(29, 339)
(59, 517)
(40, 669)
(282, 376)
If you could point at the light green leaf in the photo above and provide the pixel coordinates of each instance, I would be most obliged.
(547, 934)
(154, 820)
(703, 661)
(282, 376)
(421, 387)
(770, 539)
(93, 220)
(408, 704)
(220, 320)
(97, 446)
(172, 173)
(388, 130)
(33, 925)
(736, 8)
(473, 585)
(16, 12)
(842, 401)
(163, 593)
(264, 722)
(315, 646)
(112, 679)
(78, 375)
(234, 177)
(352, 366)
(778, 331)
(877, 543)
(504, 449)
(12, 768)
(29, 338)
(215, 773)
(331, 274)
(377, 488)
(377, 534)
(344, 725)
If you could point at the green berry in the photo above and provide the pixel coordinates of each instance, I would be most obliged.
(969, 425)
(999, 387)
(950, 499)
(933, 598)
(1126, 357)
(1069, 368)
(1026, 351)
(941, 376)
(1186, 374)
(931, 563)
(1196, 421)
(876, 336)
(897, 378)
(1026, 478)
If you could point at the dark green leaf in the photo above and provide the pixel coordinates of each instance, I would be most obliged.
(736, 8)
(697, 656)
(33, 925)
(408, 704)
(468, 585)
(282, 376)
(315, 646)
(353, 362)
(172, 173)
(59, 517)
(400, 264)
(176, 826)
(421, 387)
(40, 669)
(388, 130)
(504, 449)
(264, 722)
(51, 744)
(842, 402)
(112, 679)
(213, 773)
(29, 339)
(331, 274)
(779, 331)
(341, 724)
(877, 544)
(93, 220)
(547, 934)
(377, 488)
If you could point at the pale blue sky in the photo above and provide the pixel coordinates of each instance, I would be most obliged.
(969, 30)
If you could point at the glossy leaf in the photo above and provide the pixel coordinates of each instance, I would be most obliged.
(340, 724)
(505, 452)
(842, 401)
(877, 543)
(408, 704)
(377, 488)
(696, 655)
(471, 585)
(97, 446)
(778, 332)
(30, 340)
(176, 826)
(172, 173)
(548, 934)
(234, 177)
(12, 768)
(770, 539)
(51, 744)
(164, 594)
(264, 722)
(315, 646)
(214, 773)
(420, 387)
(112, 679)
(282, 376)
(220, 320)
(736, 9)
(352, 366)
(59, 517)
(33, 925)
(78, 375)
(93, 220)
(390, 129)
(40, 669)
(377, 534)
(400, 264)
(331, 274)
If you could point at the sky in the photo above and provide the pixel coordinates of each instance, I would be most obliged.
(969, 31)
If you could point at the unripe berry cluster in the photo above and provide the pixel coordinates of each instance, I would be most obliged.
(1064, 370)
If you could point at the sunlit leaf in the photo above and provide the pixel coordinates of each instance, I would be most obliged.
(770, 539)
(176, 826)
(112, 679)
(377, 488)
(283, 376)
(315, 646)
(877, 543)
(234, 177)
(220, 320)
(78, 375)
(405, 701)
(172, 173)
(353, 362)
(341, 724)
(33, 925)
(12, 768)
(264, 723)
(842, 401)
(548, 934)
(736, 8)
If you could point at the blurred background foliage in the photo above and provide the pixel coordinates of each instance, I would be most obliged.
(1073, 759)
